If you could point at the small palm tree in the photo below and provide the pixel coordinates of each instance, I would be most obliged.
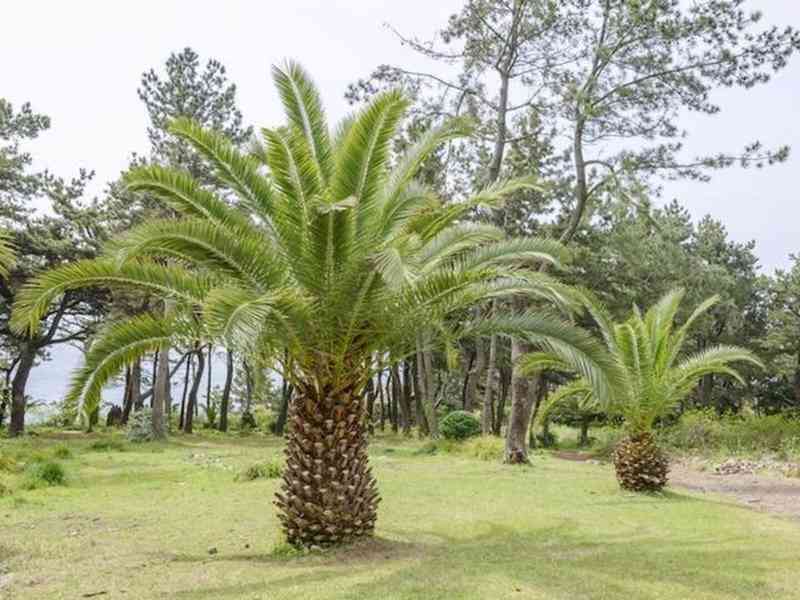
(649, 379)
(325, 254)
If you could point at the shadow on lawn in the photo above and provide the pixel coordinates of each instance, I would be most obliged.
(548, 561)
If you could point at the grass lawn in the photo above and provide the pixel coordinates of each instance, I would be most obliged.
(139, 524)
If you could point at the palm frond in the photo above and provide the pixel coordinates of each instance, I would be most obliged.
(7, 254)
(117, 346)
(235, 252)
(179, 190)
(232, 169)
(413, 158)
(303, 107)
(35, 296)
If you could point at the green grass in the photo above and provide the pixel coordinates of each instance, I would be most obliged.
(140, 523)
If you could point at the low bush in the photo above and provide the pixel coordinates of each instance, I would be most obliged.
(460, 425)
(140, 427)
(264, 470)
(62, 452)
(485, 447)
(4, 490)
(42, 474)
(704, 431)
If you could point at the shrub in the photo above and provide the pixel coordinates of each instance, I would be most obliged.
(39, 474)
(703, 430)
(695, 430)
(263, 470)
(4, 490)
(62, 452)
(460, 425)
(140, 427)
(606, 441)
(485, 448)
(248, 421)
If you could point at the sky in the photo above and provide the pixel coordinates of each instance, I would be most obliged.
(80, 63)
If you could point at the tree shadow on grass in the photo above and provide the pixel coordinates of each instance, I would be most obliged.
(556, 562)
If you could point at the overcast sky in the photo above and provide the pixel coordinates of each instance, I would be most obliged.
(80, 62)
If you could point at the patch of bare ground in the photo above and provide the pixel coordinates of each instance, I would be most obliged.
(771, 493)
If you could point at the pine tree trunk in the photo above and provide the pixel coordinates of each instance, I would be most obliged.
(16, 425)
(478, 365)
(797, 380)
(225, 402)
(127, 397)
(185, 394)
(425, 389)
(405, 399)
(488, 396)
(191, 403)
(393, 389)
(161, 395)
(501, 403)
(523, 394)
(136, 385)
(328, 494)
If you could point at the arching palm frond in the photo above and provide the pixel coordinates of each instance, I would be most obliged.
(7, 255)
(117, 346)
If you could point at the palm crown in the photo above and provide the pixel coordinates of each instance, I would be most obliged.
(650, 374)
(323, 246)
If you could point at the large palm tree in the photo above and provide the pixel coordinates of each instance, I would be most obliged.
(649, 379)
(325, 253)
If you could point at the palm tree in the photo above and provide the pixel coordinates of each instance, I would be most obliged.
(325, 255)
(649, 380)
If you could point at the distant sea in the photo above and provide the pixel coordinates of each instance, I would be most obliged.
(49, 381)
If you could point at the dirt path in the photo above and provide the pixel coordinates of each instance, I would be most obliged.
(771, 493)
(767, 493)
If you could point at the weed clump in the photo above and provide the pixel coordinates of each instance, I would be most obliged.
(43, 474)
(263, 470)
(62, 452)
(107, 445)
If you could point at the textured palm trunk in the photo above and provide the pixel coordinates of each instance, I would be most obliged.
(328, 495)
(641, 466)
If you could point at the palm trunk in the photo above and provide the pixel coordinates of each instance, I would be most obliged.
(328, 494)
